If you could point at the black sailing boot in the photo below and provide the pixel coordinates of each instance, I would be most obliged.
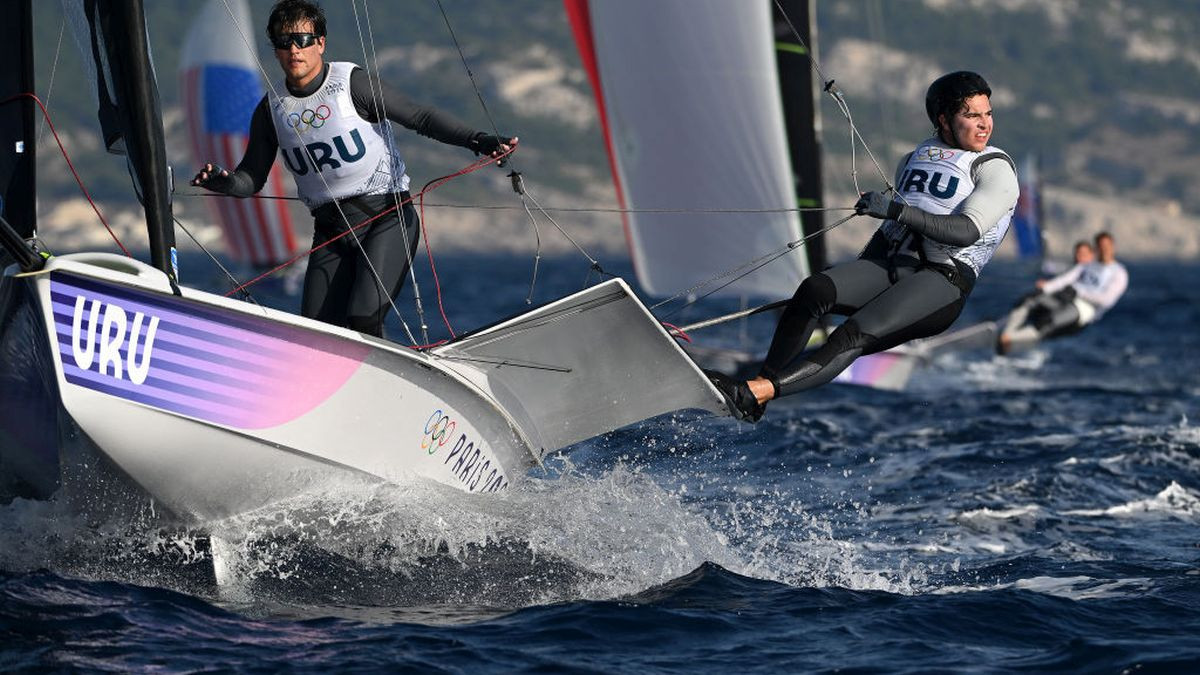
(742, 403)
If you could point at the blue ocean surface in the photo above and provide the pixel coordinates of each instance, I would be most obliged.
(1033, 512)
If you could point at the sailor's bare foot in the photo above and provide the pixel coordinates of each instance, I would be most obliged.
(762, 389)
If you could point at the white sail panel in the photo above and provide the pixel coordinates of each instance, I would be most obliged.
(221, 84)
(690, 93)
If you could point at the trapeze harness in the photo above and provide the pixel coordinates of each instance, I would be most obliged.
(347, 170)
(904, 285)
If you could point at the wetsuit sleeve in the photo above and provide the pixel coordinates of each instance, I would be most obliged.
(995, 194)
(1063, 280)
(252, 171)
(955, 229)
(425, 120)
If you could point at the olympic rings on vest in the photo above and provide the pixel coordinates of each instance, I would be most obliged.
(934, 154)
(309, 119)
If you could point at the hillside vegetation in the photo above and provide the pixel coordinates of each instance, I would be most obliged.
(1104, 91)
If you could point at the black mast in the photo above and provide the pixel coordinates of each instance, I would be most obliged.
(18, 141)
(136, 114)
(802, 116)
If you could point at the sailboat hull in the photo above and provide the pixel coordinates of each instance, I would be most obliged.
(29, 459)
(213, 406)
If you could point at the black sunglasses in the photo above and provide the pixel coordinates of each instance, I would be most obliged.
(301, 40)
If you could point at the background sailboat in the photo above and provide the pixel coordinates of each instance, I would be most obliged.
(690, 105)
(1028, 220)
(710, 117)
(221, 84)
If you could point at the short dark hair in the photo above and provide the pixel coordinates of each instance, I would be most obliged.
(948, 94)
(1105, 235)
(291, 12)
(1082, 242)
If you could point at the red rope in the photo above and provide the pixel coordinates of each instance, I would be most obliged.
(431, 345)
(46, 116)
(676, 331)
(433, 185)
(475, 166)
(437, 284)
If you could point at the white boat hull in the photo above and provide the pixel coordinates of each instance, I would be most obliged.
(212, 406)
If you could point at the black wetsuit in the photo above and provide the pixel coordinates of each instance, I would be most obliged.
(893, 293)
(891, 298)
(339, 287)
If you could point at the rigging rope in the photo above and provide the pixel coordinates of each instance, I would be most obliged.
(431, 185)
(50, 85)
(844, 107)
(518, 182)
(70, 165)
(380, 102)
(753, 265)
(229, 275)
(467, 66)
(479, 164)
(561, 209)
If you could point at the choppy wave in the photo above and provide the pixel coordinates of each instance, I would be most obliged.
(1036, 512)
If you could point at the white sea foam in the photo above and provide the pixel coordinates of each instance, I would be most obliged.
(564, 538)
(1008, 373)
(1174, 501)
(1071, 588)
(985, 515)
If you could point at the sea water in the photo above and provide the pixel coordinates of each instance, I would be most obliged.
(1035, 512)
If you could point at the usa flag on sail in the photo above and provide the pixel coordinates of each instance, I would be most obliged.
(221, 87)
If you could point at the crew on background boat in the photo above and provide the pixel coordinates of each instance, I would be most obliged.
(956, 197)
(1081, 254)
(337, 141)
(1068, 302)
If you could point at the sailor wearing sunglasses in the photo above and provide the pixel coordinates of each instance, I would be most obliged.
(334, 133)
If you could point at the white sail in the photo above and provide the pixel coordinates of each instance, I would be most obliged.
(689, 95)
(221, 85)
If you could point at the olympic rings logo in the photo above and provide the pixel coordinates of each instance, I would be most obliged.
(438, 430)
(933, 154)
(309, 119)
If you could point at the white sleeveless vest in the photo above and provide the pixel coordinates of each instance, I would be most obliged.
(1097, 279)
(936, 179)
(332, 152)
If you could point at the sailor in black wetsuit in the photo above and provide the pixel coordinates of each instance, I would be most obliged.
(956, 198)
(339, 146)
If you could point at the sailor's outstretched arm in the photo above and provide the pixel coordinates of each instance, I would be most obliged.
(1061, 281)
(995, 194)
(423, 119)
(251, 173)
